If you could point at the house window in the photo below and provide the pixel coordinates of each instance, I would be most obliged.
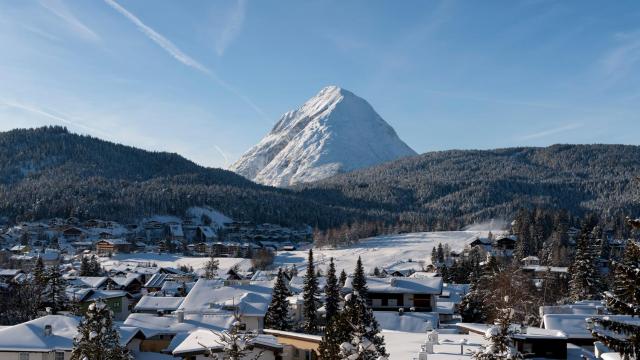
(24, 356)
(45, 356)
(59, 355)
(393, 302)
(376, 302)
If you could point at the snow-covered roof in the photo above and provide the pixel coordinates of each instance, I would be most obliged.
(156, 280)
(201, 339)
(395, 285)
(210, 296)
(151, 324)
(88, 281)
(9, 272)
(531, 258)
(125, 280)
(542, 268)
(158, 303)
(172, 286)
(30, 336)
(575, 325)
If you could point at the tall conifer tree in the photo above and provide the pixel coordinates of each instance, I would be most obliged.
(310, 298)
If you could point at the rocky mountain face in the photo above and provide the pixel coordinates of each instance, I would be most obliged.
(333, 132)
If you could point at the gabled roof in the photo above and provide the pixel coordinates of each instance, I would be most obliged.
(152, 324)
(211, 296)
(158, 303)
(126, 280)
(197, 340)
(156, 280)
(30, 336)
(395, 285)
(88, 281)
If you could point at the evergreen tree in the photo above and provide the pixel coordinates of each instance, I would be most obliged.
(585, 281)
(475, 305)
(619, 335)
(359, 282)
(440, 254)
(343, 278)
(363, 323)
(277, 316)
(434, 256)
(85, 269)
(97, 337)
(500, 345)
(331, 292)
(310, 298)
(39, 274)
(56, 296)
(211, 268)
(94, 266)
(335, 333)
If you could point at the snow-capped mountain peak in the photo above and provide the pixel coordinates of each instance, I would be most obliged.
(334, 131)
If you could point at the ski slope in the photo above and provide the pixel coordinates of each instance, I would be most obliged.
(387, 251)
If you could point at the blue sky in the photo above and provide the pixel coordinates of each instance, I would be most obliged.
(208, 79)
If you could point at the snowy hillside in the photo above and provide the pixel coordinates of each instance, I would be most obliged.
(403, 251)
(333, 132)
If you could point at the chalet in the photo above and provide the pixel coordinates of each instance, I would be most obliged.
(535, 342)
(118, 301)
(20, 249)
(112, 246)
(203, 344)
(504, 245)
(72, 233)
(130, 283)
(50, 337)
(531, 261)
(297, 346)
(200, 248)
(80, 246)
(417, 294)
(250, 300)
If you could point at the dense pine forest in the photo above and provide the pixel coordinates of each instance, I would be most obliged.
(47, 172)
(459, 187)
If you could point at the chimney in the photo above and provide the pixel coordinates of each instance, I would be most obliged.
(48, 310)
(180, 315)
(47, 330)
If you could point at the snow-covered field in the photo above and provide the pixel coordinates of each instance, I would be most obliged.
(404, 251)
(385, 251)
(170, 260)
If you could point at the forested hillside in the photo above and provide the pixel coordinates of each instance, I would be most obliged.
(475, 185)
(48, 172)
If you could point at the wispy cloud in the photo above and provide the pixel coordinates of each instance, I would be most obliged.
(58, 8)
(550, 132)
(224, 155)
(234, 20)
(623, 57)
(181, 56)
(163, 42)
